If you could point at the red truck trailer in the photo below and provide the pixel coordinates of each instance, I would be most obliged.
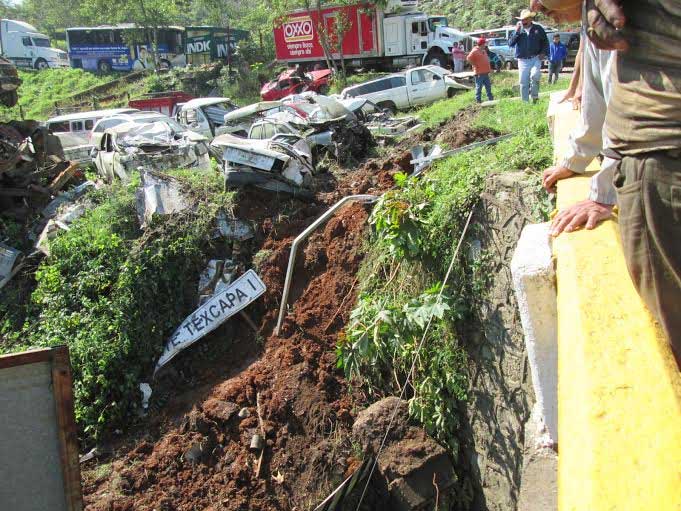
(384, 38)
(162, 102)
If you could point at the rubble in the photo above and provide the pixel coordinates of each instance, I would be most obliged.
(158, 195)
(32, 167)
(413, 467)
(8, 257)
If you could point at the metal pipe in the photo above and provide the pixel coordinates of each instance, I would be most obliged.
(304, 235)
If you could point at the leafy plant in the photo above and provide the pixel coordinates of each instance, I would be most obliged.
(382, 341)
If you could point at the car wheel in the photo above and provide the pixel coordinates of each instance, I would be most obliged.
(387, 106)
(437, 59)
(324, 90)
(164, 65)
(509, 65)
(451, 92)
(103, 66)
(41, 64)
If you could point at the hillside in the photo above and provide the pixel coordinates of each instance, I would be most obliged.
(475, 14)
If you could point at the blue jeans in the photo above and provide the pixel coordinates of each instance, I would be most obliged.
(529, 71)
(480, 82)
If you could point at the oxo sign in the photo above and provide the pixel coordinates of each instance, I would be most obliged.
(298, 29)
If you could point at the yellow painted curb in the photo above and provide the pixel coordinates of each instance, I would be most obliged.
(619, 390)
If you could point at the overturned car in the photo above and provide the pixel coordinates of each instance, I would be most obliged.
(159, 145)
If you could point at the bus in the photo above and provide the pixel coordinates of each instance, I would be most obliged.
(124, 47)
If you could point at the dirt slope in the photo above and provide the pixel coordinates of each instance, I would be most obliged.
(194, 453)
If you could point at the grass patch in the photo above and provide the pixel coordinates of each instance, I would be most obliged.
(41, 89)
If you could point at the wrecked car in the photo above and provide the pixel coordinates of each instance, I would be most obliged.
(155, 146)
(324, 123)
(282, 163)
(206, 116)
(293, 81)
(381, 122)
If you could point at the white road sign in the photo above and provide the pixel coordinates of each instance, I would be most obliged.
(213, 313)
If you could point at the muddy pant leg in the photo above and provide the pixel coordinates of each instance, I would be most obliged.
(649, 200)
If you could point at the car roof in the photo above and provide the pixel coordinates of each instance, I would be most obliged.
(199, 102)
(93, 113)
(377, 79)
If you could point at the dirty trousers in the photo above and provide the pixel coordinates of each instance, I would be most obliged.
(649, 199)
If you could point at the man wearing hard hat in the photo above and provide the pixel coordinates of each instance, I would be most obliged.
(531, 47)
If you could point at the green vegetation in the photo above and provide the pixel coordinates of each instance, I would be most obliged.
(504, 85)
(113, 294)
(416, 227)
(41, 89)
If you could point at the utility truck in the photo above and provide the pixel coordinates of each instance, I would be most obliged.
(22, 44)
(393, 37)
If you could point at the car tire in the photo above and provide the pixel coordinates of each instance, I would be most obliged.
(437, 59)
(104, 66)
(509, 65)
(451, 92)
(164, 65)
(324, 90)
(388, 106)
(41, 64)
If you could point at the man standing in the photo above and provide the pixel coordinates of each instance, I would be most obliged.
(557, 55)
(481, 67)
(458, 57)
(531, 47)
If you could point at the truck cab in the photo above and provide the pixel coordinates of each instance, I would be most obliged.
(22, 44)
(420, 35)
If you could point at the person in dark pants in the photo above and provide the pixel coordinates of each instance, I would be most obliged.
(557, 56)
(482, 68)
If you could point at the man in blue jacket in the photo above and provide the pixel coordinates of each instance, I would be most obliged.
(557, 56)
(531, 47)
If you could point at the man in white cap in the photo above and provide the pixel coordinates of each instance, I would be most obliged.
(531, 47)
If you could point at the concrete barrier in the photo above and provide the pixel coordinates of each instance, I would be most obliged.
(619, 389)
(534, 283)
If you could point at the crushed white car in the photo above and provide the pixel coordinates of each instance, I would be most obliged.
(159, 145)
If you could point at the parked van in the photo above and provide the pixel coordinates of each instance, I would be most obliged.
(26, 47)
(75, 129)
(418, 86)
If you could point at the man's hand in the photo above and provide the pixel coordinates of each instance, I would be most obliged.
(554, 174)
(577, 100)
(587, 213)
(604, 19)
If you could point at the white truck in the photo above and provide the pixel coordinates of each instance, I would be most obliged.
(22, 44)
(394, 36)
(415, 87)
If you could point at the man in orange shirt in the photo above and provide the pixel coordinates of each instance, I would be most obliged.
(481, 67)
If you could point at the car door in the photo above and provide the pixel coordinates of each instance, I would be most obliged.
(104, 159)
(425, 86)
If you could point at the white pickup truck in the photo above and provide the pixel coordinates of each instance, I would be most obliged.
(419, 86)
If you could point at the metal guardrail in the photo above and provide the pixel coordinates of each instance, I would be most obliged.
(302, 237)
